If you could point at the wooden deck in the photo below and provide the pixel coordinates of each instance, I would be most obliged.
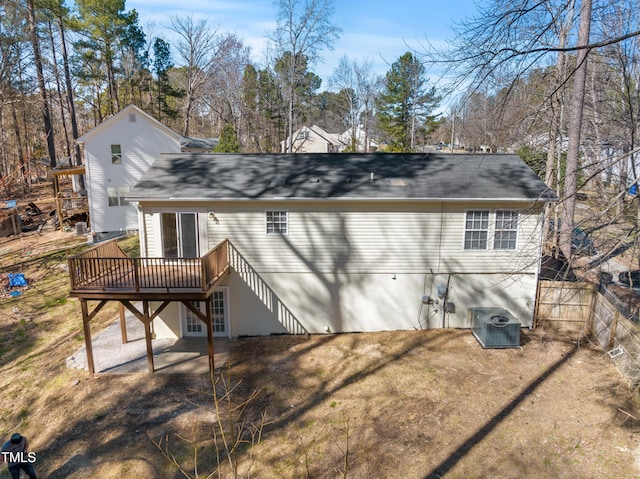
(106, 272)
(68, 203)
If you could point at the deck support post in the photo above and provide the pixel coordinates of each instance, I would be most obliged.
(209, 325)
(86, 318)
(123, 324)
(147, 335)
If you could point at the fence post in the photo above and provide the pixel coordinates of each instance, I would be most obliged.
(612, 333)
(592, 309)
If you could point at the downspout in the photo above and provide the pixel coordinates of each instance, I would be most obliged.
(537, 273)
(444, 302)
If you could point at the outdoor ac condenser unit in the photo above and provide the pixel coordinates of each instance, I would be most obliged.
(495, 328)
(81, 228)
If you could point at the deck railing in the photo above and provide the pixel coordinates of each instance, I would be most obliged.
(106, 266)
(69, 206)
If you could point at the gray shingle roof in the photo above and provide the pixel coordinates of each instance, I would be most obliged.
(340, 176)
(186, 142)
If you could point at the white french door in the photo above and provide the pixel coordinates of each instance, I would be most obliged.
(193, 326)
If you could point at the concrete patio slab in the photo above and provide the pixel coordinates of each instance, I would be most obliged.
(170, 355)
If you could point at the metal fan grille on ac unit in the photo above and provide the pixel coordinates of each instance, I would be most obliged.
(495, 328)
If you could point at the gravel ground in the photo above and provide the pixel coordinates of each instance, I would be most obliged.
(170, 355)
(110, 355)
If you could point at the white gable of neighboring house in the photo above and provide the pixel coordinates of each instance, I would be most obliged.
(116, 153)
(313, 139)
(359, 136)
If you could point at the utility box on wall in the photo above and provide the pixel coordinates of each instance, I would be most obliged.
(495, 328)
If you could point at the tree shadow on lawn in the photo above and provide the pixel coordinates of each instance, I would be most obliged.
(114, 436)
(450, 462)
(329, 386)
(110, 437)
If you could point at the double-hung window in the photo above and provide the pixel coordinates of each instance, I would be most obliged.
(277, 222)
(116, 154)
(476, 229)
(117, 195)
(504, 226)
(506, 230)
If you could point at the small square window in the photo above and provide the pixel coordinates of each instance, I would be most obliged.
(277, 222)
(116, 154)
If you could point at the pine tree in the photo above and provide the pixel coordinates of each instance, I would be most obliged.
(228, 140)
(405, 105)
(166, 93)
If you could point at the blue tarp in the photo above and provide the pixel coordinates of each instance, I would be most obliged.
(17, 279)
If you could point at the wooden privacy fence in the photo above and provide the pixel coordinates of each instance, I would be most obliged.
(593, 309)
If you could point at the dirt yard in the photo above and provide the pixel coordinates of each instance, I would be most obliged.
(420, 404)
(414, 404)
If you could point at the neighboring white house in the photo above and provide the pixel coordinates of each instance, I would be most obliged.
(116, 154)
(313, 139)
(348, 242)
(359, 138)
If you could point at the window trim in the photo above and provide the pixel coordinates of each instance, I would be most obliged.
(182, 239)
(491, 230)
(505, 230)
(274, 222)
(485, 230)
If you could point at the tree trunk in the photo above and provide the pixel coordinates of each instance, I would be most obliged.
(37, 60)
(187, 114)
(550, 236)
(575, 127)
(56, 74)
(21, 158)
(70, 100)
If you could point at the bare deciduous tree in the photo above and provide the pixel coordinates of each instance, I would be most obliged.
(357, 83)
(496, 48)
(575, 129)
(197, 46)
(304, 28)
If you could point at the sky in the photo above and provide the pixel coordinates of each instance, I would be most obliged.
(374, 30)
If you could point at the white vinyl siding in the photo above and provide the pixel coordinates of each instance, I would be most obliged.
(367, 238)
(140, 144)
(360, 266)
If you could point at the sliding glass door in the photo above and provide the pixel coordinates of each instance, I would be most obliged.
(180, 235)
